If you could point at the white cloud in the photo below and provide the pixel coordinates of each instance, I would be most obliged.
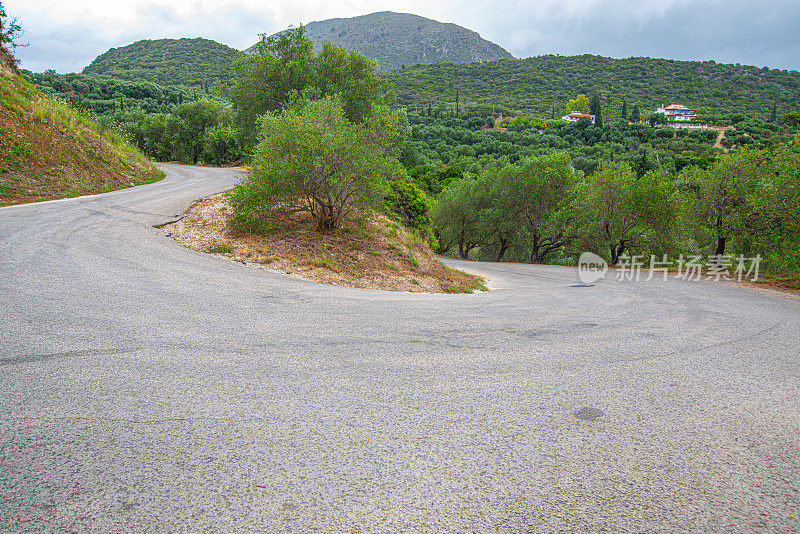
(67, 36)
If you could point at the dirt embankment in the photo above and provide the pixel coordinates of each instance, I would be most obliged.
(376, 253)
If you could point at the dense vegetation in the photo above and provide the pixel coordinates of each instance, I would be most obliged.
(463, 142)
(283, 71)
(541, 210)
(396, 39)
(103, 94)
(473, 176)
(327, 144)
(316, 160)
(196, 62)
(193, 132)
(542, 85)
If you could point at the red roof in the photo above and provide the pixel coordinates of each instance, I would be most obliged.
(679, 107)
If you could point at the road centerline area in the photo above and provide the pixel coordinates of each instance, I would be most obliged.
(146, 386)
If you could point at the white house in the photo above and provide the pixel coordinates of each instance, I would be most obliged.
(678, 112)
(575, 116)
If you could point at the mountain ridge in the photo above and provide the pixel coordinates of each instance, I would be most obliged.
(395, 39)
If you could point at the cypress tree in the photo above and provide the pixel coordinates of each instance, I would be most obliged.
(635, 114)
(594, 105)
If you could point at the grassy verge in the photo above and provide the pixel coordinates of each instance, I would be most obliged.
(49, 150)
(790, 282)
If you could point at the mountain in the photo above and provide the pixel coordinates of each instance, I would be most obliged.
(396, 39)
(48, 150)
(542, 85)
(191, 62)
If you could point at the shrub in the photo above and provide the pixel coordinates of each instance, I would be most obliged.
(315, 160)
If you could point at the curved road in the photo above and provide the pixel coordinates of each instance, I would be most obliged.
(149, 388)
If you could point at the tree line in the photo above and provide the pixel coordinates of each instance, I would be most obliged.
(542, 210)
(541, 85)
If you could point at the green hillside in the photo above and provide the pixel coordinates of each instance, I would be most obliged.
(191, 62)
(396, 39)
(542, 85)
(103, 94)
(49, 150)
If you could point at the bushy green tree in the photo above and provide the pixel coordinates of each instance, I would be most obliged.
(187, 124)
(618, 212)
(411, 204)
(778, 203)
(456, 216)
(635, 114)
(579, 103)
(500, 218)
(283, 72)
(655, 119)
(313, 159)
(221, 145)
(433, 179)
(278, 74)
(538, 189)
(721, 205)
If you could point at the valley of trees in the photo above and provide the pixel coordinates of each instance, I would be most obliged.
(472, 175)
(542, 210)
(105, 95)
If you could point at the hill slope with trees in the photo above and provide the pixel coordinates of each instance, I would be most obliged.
(396, 39)
(192, 62)
(542, 85)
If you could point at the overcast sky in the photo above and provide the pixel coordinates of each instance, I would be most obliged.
(67, 36)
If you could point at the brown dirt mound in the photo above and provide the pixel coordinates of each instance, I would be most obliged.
(376, 253)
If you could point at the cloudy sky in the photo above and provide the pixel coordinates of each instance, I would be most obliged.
(67, 36)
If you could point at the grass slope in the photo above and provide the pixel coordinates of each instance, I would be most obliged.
(49, 151)
(395, 39)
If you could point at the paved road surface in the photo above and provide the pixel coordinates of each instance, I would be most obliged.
(146, 387)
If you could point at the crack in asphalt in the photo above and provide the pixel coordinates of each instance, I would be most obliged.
(31, 358)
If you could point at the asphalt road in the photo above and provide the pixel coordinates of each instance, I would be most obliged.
(146, 387)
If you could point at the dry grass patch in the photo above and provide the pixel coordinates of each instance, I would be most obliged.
(374, 254)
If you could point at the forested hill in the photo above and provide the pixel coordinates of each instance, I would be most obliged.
(191, 62)
(543, 84)
(396, 39)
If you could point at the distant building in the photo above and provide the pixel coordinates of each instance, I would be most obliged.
(678, 112)
(575, 116)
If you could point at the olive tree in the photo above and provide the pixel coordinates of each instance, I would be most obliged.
(282, 72)
(721, 203)
(618, 212)
(456, 214)
(313, 159)
(539, 190)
